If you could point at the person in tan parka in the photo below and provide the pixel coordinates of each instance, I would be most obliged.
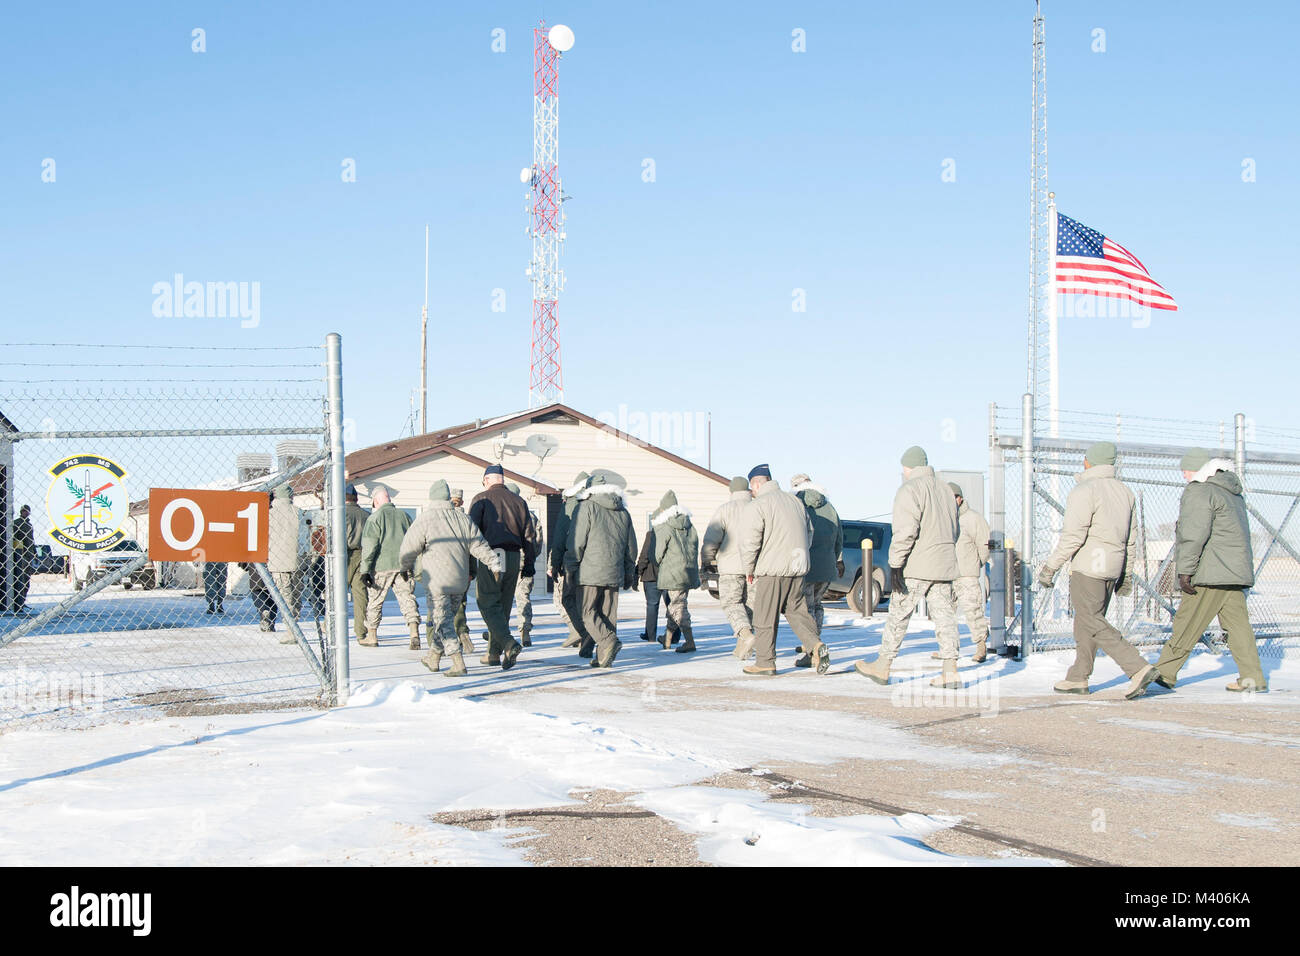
(922, 564)
(774, 542)
(1099, 542)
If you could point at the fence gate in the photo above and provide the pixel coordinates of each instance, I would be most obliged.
(89, 635)
(1271, 482)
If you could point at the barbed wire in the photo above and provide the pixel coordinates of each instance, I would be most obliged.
(240, 366)
(192, 348)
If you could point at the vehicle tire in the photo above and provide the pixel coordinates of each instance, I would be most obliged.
(876, 594)
(713, 594)
(149, 581)
(126, 585)
(855, 597)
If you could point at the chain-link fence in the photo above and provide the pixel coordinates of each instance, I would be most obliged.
(1149, 451)
(91, 626)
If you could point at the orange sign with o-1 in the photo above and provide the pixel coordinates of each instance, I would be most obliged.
(185, 524)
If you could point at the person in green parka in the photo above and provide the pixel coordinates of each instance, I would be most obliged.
(1215, 568)
(677, 560)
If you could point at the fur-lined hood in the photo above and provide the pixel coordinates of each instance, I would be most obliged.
(574, 490)
(670, 513)
(1211, 467)
(610, 496)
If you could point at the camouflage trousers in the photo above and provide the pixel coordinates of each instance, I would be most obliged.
(679, 615)
(442, 623)
(524, 602)
(405, 591)
(462, 622)
(813, 592)
(735, 597)
(968, 598)
(939, 603)
(289, 584)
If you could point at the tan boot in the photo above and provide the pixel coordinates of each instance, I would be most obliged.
(414, 628)
(511, 655)
(458, 668)
(744, 644)
(432, 660)
(368, 641)
(755, 671)
(466, 644)
(981, 652)
(1071, 687)
(1246, 686)
(877, 670)
(948, 680)
(1140, 681)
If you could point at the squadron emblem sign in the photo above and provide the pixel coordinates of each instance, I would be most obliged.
(87, 503)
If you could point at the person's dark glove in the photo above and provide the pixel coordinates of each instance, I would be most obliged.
(1185, 584)
(368, 580)
(406, 575)
(839, 566)
(896, 582)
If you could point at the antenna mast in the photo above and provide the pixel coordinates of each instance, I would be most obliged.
(424, 341)
(546, 215)
(1041, 372)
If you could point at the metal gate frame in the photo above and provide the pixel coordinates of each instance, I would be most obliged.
(331, 666)
(1013, 621)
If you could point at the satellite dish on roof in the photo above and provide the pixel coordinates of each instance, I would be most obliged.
(541, 445)
(560, 37)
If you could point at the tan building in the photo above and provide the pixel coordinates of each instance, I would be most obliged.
(541, 450)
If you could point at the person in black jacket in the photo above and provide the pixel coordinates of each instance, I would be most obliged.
(503, 519)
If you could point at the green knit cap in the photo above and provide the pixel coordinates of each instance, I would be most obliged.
(512, 487)
(669, 500)
(956, 489)
(438, 491)
(1101, 453)
(284, 491)
(739, 483)
(1195, 459)
(915, 457)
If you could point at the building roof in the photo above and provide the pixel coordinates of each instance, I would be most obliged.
(377, 458)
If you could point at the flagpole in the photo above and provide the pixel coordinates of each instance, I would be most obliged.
(1053, 352)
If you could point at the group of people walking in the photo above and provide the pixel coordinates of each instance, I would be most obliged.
(776, 553)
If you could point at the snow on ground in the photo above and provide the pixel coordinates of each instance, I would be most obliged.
(358, 784)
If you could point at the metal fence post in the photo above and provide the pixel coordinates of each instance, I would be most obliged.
(338, 549)
(868, 576)
(1027, 526)
(997, 537)
(1239, 445)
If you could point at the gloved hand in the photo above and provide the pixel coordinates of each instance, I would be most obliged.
(1185, 584)
(1125, 586)
(406, 575)
(368, 580)
(1045, 577)
(896, 582)
(839, 566)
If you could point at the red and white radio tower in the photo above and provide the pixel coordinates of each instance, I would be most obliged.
(546, 215)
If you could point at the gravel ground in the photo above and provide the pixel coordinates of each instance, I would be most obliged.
(605, 830)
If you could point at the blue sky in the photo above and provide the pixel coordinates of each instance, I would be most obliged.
(774, 171)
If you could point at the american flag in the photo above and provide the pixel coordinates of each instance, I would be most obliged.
(1088, 263)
